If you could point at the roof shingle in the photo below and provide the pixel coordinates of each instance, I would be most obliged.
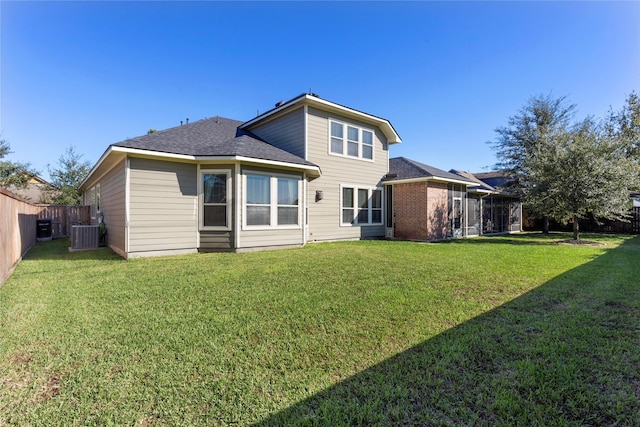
(216, 136)
(404, 168)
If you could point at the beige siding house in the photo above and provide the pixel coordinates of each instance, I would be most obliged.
(307, 170)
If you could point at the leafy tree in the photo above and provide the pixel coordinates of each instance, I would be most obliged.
(592, 175)
(624, 125)
(67, 177)
(567, 172)
(526, 147)
(13, 173)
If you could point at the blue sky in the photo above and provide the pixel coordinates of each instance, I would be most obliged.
(445, 74)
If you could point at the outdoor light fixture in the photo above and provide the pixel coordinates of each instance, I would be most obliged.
(319, 195)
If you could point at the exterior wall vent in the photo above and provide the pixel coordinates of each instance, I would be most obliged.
(84, 237)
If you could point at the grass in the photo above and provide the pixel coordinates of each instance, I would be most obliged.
(488, 331)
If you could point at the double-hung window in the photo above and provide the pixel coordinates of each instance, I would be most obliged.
(350, 141)
(215, 193)
(271, 200)
(361, 205)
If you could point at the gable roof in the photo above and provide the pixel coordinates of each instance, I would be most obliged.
(314, 100)
(403, 169)
(480, 186)
(216, 136)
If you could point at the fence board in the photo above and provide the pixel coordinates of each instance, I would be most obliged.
(63, 217)
(17, 230)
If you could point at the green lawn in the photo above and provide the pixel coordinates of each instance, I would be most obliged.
(488, 331)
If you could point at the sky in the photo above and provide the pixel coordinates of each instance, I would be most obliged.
(445, 74)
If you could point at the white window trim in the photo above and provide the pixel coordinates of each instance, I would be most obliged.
(273, 205)
(201, 225)
(345, 140)
(369, 207)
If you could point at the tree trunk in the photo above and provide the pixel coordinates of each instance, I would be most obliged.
(576, 229)
(545, 225)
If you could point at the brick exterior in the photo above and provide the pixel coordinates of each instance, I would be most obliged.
(420, 211)
(438, 210)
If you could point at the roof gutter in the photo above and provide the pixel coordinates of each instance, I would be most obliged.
(430, 178)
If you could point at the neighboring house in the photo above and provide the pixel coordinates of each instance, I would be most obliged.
(307, 170)
(36, 191)
(427, 203)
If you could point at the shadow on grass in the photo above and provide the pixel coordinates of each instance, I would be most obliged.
(565, 353)
(58, 249)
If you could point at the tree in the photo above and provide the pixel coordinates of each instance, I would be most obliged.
(624, 125)
(592, 175)
(566, 172)
(525, 149)
(13, 173)
(67, 177)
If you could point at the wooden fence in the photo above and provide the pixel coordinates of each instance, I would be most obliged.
(63, 217)
(17, 231)
(18, 226)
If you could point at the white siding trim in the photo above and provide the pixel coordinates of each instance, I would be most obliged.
(306, 133)
(127, 203)
(237, 205)
(305, 204)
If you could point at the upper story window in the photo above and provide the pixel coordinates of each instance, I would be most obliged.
(351, 141)
(271, 200)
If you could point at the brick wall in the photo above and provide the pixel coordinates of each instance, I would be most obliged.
(420, 211)
(438, 211)
(410, 211)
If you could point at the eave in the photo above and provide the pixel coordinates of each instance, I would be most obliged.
(312, 171)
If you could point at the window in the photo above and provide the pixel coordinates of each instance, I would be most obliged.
(215, 213)
(92, 199)
(356, 141)
(361, 206)
(271, 201)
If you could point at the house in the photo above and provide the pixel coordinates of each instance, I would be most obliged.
(36, 190)
(427, 203)
(307, 170)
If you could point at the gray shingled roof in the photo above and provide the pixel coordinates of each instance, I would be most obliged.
(403, 168)
(216, 136)
(480, 185)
